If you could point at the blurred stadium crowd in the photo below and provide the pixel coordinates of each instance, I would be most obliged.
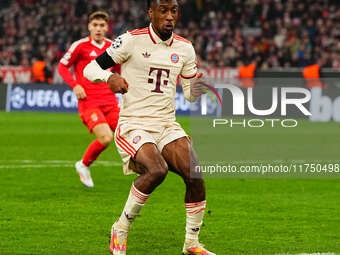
(271, 33)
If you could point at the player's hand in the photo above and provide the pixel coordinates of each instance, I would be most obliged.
(117, 84)
(197, 86)
(79, 91)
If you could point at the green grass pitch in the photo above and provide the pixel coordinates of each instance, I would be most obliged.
(44, 209)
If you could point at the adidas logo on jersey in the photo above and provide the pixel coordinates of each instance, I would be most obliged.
(146, 55)
(93, 54)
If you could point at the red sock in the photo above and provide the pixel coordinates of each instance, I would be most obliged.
(92, 152)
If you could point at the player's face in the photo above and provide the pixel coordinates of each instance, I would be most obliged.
(164, 15)
(98, 29)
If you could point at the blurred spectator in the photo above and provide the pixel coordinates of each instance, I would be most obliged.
(271, 33)
(41, 71)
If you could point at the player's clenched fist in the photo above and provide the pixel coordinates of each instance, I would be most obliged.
(117, 84)
(198, 86)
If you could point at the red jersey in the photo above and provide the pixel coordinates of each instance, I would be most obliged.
(80, 54)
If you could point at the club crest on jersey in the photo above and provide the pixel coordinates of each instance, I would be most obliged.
(94, 117)
(174, 58)
(136, 139)
(117, 43)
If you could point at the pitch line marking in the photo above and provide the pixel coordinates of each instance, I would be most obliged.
(317, 253)
(258, 161)
(7, 164)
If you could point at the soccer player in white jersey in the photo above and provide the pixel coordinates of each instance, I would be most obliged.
(148, 138)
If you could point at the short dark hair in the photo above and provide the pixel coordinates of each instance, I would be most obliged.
(99, 15)
(150, 2)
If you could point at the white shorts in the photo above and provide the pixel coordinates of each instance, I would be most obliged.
(130, 137)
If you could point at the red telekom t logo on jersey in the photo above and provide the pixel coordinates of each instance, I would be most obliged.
(159, 78)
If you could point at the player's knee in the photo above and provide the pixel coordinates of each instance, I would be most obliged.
(160, 175)
(159, 171)
(106, 139)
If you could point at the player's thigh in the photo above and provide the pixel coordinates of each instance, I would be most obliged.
(103, 132)
(180, 156)
(182, 160)
(149, 159)
(138, 150)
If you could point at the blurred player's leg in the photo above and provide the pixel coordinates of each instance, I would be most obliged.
(104, 137)
(152, 169)
(178, 154)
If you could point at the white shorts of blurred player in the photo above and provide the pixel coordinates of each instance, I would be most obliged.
(130, 136)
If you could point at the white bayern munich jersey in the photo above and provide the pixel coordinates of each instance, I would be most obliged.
(151, 67)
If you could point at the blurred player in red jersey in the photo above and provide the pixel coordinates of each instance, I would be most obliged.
(97, 105)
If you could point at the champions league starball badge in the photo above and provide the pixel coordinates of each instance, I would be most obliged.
(117, 43)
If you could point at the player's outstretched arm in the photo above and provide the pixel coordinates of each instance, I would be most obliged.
(95, 72)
